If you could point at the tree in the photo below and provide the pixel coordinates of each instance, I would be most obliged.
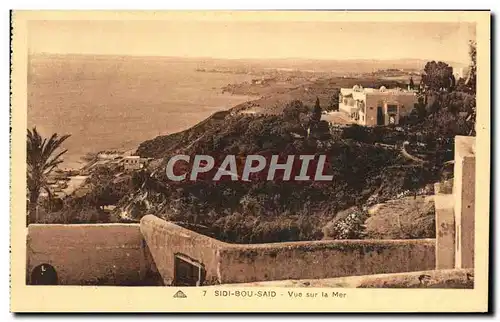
(421, 84)
(298, 114)
(471, 80)
(40, 163)
(316, 114)
(333, 105)
(421, 111)
(292, 110)
(315, 117)
(438, 76)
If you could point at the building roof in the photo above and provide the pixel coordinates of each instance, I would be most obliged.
(381, 91)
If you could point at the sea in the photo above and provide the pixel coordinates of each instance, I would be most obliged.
(117, 102)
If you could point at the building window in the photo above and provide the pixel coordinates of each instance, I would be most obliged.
(392, 109)
(188, 272)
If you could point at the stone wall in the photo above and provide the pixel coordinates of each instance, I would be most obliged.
(455, 210)
(464, 194)
(232, 263)
(445, 231)
(124, 254)
(166, 239)
(104, 254)
(323, 259)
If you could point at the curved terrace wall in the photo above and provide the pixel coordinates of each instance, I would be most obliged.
(232, 263)
(165, 240)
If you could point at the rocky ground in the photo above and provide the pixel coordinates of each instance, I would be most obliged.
(408, 217)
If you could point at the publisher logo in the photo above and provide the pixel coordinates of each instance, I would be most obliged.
(180, 295)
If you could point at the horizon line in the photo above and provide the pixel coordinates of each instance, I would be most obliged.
(242, 58)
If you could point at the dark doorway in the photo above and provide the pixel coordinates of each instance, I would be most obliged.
(380, 116)
(188, 272)
(44, 274)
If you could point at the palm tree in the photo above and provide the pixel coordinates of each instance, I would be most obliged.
(41, 162)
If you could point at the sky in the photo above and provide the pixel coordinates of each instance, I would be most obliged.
(336, 40)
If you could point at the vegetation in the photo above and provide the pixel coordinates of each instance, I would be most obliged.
(41, 161)
(471, 83)
(448, 107)
(438, 76)
(412, 84)
(265, 211)
(333, 104)
(104, 190)
(347, 224)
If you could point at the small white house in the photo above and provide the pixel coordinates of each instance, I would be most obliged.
(134, 162)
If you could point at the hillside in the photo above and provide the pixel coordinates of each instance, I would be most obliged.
(364, 172)
(405, 218)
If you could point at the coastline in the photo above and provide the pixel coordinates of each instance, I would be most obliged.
(78, 162)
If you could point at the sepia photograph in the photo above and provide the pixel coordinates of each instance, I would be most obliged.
(265, 156)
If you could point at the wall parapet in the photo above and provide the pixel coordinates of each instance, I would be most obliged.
(89, 254)
(323, 259)
(123, 254)
(236, 263)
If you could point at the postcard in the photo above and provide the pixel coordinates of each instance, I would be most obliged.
(250, 161)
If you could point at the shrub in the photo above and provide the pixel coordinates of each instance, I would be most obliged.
(358, 133)
(347, 224)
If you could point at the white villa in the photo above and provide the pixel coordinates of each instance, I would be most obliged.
(370, 106)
